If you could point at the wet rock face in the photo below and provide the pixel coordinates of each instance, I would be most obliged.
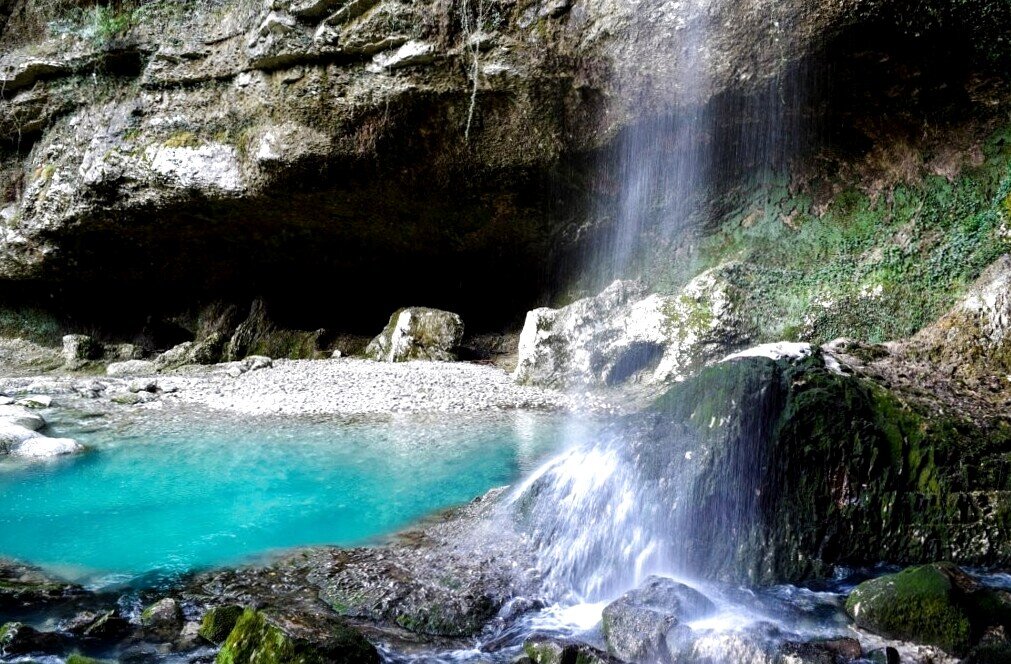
(643, 624)
(624, 335)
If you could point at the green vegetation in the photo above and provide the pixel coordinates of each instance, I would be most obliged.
(31, 323)
(870, 267)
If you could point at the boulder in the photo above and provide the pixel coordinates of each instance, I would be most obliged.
(937, 605)
(263, 637)
(623, 335)
(79, 349)
(418, 333)
(636, 626)
(131, 368)
(12, 435)
(175, 357)
(163, 619)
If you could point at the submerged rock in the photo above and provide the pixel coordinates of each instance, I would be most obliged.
(260, 637)
(24, 589)
(418, 333)
(938, 605)
(623, 335)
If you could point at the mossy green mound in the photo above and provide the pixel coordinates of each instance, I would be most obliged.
(257, 639)
(935, 604)
(219, 622)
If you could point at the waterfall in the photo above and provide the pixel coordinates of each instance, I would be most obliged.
(612, 510)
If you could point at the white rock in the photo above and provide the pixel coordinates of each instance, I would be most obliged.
(774, 351)
(214, 166)
(412, 53)
(22, 417)
(35, 401)
(623, 335)
(43, 446)
(418, 333)
(131, 368)
(12, 435)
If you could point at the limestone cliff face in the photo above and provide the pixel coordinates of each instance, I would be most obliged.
(185, 150)
(446, 153)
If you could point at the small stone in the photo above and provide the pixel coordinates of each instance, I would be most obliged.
(35, 401)
(163, 619)
(143, 385)
(127, 399)
(131, 368)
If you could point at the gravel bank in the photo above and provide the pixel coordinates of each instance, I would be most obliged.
(317, 387)
(349, 386)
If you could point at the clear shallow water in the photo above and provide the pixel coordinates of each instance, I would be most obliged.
(170, 495)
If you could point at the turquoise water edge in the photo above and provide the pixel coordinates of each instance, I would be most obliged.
(168, 495)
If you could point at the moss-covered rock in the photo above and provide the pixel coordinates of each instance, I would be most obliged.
(78, 658)
(935, 604)
(818, 468)
(259, 638)
(219, 621)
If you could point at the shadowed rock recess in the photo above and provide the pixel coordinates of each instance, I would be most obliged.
(157, 156)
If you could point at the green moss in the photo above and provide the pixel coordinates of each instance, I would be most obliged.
(219, 622)
(919, 604)
(182, 139)
(255, 640)
(78, 658)
(871, 267)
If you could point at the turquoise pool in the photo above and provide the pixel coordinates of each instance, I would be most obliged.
(172, 494)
